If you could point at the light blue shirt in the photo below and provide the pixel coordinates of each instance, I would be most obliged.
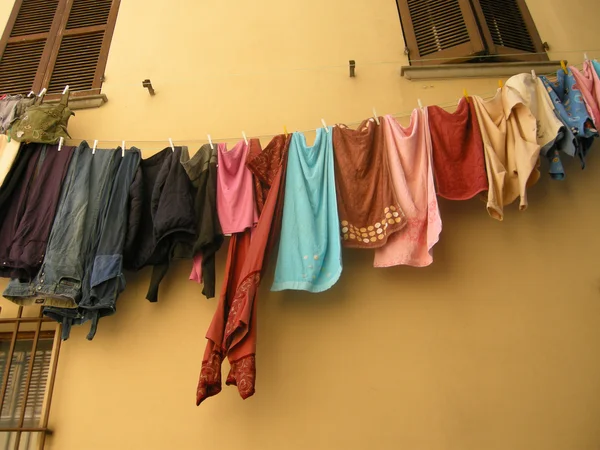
(310, 249)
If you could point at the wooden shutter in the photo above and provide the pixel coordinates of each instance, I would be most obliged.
(508, 29)
(52, 43)
(439, 31)
(81, 51)
(17, 377)
(27, 43)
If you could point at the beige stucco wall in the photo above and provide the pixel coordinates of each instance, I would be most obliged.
(494, 347)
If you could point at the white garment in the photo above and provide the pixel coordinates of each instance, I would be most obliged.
(535, 96)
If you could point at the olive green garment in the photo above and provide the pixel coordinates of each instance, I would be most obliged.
(43, 123)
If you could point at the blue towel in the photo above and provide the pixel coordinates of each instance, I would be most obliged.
(310, 249)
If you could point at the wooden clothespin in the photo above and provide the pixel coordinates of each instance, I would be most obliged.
(171, 144)
(212, 147)
(65, 89)
(533, 74)
(466, 95)
(245, 138)
(123, 149)
(94, 147)
(42, 92)
(419, 103)
(60, 143)
(285, 131)
(585, 57)
(563, 65)
(375, 116)
(325, 125)
(500, 84)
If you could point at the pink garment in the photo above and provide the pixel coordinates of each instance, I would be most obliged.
(589, 85)
(235, 190)
(196, 274)
(409, 153)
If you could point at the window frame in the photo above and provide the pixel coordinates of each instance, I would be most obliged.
(34, 337)
(54, 38)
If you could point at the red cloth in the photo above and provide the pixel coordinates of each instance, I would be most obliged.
(458, 157)
(233, 329)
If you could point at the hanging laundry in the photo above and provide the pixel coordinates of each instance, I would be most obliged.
(310, 252)
(568, 102)
(265, 165)
(551, 133)
(409, 154)
(588, 84)
(365, 197)
(162, 222)
(202, 172)
(42, 122)
(458, 159)
(74, 236)
(233, 329)
(235, 188)
(8, 154)
(511, 150)
(29, 198)
(7, 111)
(104, 279)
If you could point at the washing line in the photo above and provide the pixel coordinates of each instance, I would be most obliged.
(399, 115)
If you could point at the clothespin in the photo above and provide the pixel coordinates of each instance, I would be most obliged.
(94, 147)
(419, 103)
(171, 144)
(500, 84)
(65, 89)
(42, 92)
(285, 131)
(60, 143)
(585, 57)
(123, 149)
(533, 74)
(210, 142)
(325, 125)
(375, 116)
(466, 95)
(244, 136)
(563, 65)
(30, 94)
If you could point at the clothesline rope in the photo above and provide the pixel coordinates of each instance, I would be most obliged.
(399, 115)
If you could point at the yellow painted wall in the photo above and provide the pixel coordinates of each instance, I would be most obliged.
(494, 347)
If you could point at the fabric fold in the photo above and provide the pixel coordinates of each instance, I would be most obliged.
(310, 252)
(365, 197)
(202, 172)
(409, 153)
(232, 332)
(457, 146)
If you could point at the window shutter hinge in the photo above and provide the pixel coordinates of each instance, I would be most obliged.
(406, 51)
(545, 46)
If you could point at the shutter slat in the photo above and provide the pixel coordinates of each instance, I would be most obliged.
(87, 13)
(438, 25)
(506, 24)
(35, 16)
(76, 62)
(13, 404)
(19, 65)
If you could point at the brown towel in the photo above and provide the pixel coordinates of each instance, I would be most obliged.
(365, 195)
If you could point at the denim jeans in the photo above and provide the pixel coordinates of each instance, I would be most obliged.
(74, 232)
(104, 279)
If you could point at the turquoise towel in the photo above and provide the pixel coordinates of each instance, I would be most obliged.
(310, 249)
